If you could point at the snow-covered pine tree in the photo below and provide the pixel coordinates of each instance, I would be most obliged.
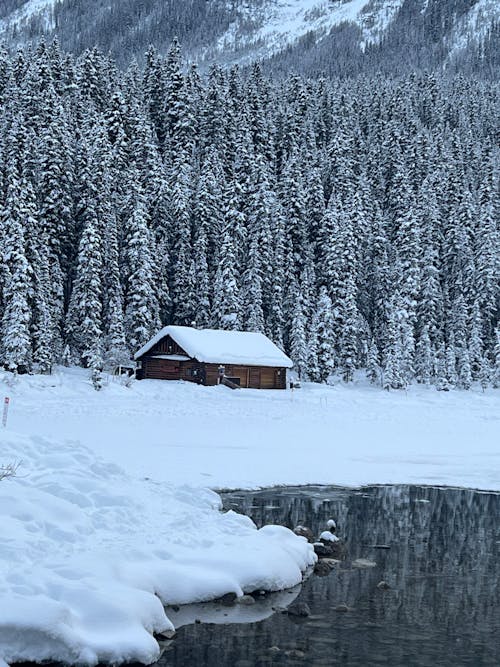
(226, 300)
(15, 348)
(349, 317)
(84, 318)
(451, 363)
(424, 358)
(183, 286)
(441, 374)
(298, 345)
(485, 373)
(395, 371)
(140, 300)
(373, 370)
(325, 335)
(251, 289)
(496, 360)
(476, 341)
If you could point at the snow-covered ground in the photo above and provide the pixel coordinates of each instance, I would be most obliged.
(107, 518)
(213, 436)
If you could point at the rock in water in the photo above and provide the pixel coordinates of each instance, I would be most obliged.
(321, 569)
(303, 531)
(324, 566)
(363, 563)
(332, 549)
(299, 609)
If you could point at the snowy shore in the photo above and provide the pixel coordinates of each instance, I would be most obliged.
(89, 555)
(108, 518)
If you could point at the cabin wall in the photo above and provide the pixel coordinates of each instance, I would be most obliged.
(159, 369)
(253, 377)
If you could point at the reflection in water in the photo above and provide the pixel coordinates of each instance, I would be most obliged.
(443, 605)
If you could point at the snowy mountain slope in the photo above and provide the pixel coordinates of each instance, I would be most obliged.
(473, 26)
(41, 9)
(245, 30)
(278, 23)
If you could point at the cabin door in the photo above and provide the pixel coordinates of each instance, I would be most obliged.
(254, 378)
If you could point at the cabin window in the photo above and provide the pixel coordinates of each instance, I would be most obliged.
(138, 365)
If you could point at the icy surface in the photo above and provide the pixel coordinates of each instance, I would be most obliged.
(219, 347)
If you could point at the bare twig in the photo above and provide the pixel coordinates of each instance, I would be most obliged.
(9, 470)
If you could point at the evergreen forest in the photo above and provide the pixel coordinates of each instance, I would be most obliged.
(352, 220)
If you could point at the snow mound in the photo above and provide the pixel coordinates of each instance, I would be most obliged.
(89, 555)
(327, 536)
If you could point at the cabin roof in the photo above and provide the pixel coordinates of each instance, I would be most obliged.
(215, 346)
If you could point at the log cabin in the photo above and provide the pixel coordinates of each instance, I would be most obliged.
(211, 356)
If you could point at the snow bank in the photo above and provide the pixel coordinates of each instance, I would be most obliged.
(88, 555)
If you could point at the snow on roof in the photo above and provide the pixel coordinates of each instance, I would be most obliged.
(216, 346)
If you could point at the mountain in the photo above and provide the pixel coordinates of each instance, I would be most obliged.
(338, 36)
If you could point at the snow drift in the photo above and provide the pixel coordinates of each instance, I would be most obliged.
(89, 555)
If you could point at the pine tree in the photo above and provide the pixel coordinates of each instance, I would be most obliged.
(485, 373)
(253, 315)
(476, 341)
(464, 367)
(226, 300)
(183, 285)
(298, 345)
(451, 364)
(349, 317)
(325, 335)
(84, 318)
(15, 350)
(496, 360)
(313, 362)
(141, 304)
(441, 372)
(394, 375)
(373, 371)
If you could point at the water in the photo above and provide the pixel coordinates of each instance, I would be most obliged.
(443, 568)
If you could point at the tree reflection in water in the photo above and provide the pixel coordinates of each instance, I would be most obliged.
(443, 605)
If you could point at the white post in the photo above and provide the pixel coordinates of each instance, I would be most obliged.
(6, 402)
